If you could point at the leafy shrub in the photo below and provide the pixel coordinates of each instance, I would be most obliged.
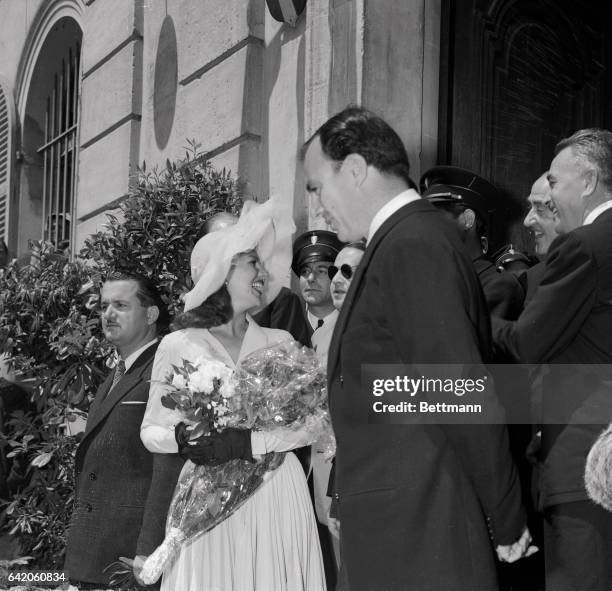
(161, 221)
(57, 349)
(50, 327)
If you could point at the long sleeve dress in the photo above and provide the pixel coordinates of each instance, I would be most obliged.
(270, 543)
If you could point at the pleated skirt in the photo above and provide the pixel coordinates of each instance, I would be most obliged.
(269, 544)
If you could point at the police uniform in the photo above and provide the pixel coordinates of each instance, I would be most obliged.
(510, 258)
(505, 297)
(313, 247)
(445, 185)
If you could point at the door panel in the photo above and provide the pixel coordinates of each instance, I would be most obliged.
(516, 77)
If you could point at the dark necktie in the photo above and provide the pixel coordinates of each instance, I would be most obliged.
(119, 371)
(319, 325)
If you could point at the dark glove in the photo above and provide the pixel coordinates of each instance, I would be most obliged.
(230, 444)
(197, 450)
(214, 449)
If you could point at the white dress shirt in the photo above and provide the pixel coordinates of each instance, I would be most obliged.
(321, 337)
(130, 359)
(589, 219)
(389, 208)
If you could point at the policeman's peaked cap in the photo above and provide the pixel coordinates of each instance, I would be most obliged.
(314, 246)
(451, 184)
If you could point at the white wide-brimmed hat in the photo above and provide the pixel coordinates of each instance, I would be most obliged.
(264, 227)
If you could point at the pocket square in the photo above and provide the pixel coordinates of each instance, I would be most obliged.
(133, 402)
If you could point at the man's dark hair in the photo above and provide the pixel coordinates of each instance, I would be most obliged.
(214, 311)
(593, 146)
(356, 130)
(147, 294)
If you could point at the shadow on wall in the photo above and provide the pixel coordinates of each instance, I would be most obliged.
(261, 76)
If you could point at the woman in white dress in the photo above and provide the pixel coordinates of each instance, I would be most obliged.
(270, 543)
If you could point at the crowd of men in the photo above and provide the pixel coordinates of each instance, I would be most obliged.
(405, 278)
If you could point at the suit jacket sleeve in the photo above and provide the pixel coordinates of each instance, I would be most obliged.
(430, 282)
(166, 470)
(508, 302)
(559, 307)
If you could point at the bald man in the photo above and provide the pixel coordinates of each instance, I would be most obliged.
(219, 221)
(541, 219)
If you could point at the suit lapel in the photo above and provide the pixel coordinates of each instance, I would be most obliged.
(345, 311)
(105, 401)
(356, 285)
(100, 396)
(603, 217)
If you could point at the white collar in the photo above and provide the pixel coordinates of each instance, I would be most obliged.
(389, 208)
(589, 219)
(253, 337)
(314, 320)
(131, 358)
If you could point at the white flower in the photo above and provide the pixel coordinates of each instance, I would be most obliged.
(178, 381)
(201, 381)
(227, 389)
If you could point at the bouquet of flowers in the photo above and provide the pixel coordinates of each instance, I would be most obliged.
(279, 386)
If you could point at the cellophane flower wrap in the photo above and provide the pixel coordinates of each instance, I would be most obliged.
(280, 386)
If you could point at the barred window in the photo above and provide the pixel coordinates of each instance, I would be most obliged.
(59, 151)
(7, 149)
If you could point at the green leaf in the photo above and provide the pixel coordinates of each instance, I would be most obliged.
(42, 460)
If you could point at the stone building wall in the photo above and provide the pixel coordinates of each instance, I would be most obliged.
(248, 88)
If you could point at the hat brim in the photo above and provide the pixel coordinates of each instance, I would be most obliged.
(318, 256)
(266, 228)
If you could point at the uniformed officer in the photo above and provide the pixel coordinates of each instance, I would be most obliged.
(511, 259)
(468, 199)
(313, 253)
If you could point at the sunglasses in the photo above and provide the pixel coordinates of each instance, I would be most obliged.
(346, 270)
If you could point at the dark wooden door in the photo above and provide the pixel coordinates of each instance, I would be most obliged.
(516, 77)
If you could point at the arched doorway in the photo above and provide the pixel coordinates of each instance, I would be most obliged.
(48, 103)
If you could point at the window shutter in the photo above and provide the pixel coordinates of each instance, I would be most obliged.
(7, 151)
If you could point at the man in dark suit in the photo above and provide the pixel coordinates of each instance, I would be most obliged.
(568, 324)
(541, 219)
(122, 490)
(418, 503)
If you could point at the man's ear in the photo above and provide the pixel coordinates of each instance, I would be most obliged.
(152, 314)
(468, 217)
(356, 166)
(591, 178)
